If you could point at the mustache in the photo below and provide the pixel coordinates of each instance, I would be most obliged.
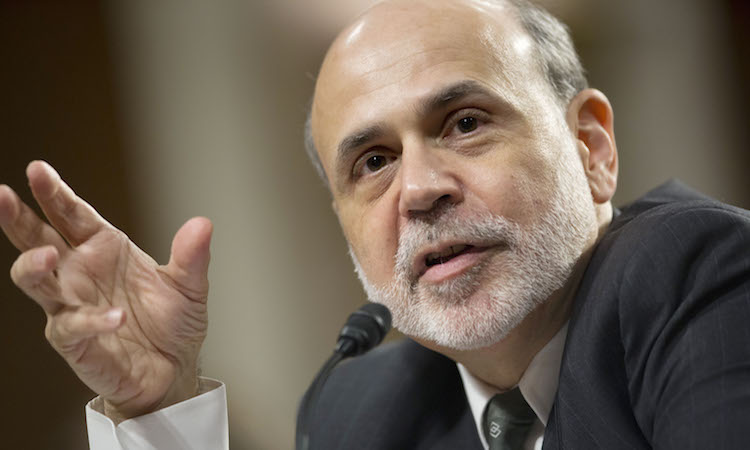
(449, 225)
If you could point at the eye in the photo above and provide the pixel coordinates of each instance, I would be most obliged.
(372, 162)
(376, 162)
(467, 121)
(467, 124)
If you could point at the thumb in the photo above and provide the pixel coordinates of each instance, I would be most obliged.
(188, 262)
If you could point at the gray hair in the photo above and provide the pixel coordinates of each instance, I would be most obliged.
(554, 52)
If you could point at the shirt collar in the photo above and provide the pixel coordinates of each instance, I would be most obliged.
(538, 384)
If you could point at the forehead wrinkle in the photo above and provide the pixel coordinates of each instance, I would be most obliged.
(471, 70)
(481, 53)
(378, 62)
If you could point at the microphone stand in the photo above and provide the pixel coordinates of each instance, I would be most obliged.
(364, 329)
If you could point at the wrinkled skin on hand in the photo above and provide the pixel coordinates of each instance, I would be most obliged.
(131, 329)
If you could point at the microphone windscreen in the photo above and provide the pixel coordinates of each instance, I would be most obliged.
(367, 327)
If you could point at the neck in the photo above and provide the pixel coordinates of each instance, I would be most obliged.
(503, 364)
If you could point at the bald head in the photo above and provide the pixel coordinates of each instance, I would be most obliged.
(378, 37)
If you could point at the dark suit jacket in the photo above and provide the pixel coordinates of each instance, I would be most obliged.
(657, 353)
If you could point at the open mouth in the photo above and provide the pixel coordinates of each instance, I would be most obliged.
(446, 255)
(450, 261)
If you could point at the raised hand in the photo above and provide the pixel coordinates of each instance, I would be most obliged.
(130, 328)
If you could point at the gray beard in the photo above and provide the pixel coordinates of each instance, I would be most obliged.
(480, 307)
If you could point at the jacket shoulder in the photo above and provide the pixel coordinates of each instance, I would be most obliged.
(661, 309)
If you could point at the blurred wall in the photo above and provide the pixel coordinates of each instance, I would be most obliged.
(57, 103)
(159, 111)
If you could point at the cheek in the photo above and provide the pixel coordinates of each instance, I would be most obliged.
(512, 186)
(373, 234)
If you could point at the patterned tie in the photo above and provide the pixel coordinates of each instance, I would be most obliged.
(507, 421)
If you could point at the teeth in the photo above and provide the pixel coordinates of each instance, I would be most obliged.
(453, 250)
(435, 258)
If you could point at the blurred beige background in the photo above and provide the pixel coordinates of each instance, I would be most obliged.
(159, 111)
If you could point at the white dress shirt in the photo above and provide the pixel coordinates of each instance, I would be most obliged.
(199, 423)
(538, 386)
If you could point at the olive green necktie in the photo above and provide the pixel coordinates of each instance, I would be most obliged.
(507, 421)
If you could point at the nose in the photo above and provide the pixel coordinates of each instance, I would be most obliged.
(426, 179)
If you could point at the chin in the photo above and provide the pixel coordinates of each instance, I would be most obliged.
(482, 306)
(480, 319)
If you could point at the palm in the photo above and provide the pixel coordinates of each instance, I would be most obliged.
(164, 325)
(141, 360)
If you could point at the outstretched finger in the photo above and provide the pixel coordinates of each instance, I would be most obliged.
(24, 228)
(71, 215)
(70, 327)
(33, 273)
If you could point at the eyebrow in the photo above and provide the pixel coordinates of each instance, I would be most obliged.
(452, 93)
(433, 102)
(358, 139)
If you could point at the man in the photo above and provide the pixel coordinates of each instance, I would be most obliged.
(472, 171)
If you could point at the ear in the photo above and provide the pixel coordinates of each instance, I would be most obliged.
(591, 119)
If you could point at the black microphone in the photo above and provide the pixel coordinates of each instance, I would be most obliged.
(364, 329)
